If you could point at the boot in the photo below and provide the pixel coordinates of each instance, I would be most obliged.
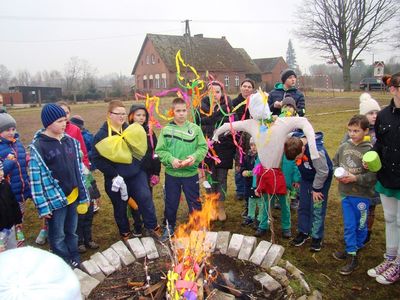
(221, 211)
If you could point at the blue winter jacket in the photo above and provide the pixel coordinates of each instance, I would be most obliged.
(46, 192)
(279, 93)
(13, 156)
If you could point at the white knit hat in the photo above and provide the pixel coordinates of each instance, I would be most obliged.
(368, 104)
(32, 273)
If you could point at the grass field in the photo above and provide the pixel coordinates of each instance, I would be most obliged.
(328, 113)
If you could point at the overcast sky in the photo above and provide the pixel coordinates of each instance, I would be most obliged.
(39, 35)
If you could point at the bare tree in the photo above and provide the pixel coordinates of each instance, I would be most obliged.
(73, 71)
(23, 78)
(343, 29)
(5, 76)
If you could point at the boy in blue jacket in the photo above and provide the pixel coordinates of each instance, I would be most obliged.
(316, 178)
(57, 182)
(13, 156)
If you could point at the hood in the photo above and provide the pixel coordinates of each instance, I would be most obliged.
(319, 136)
(279, 86)
(134, 108)
(3, 140)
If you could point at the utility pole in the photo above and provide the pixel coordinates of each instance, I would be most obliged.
(187, 27)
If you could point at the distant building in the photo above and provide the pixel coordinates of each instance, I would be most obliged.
(31, 94)
(271, 69)
(155, 68)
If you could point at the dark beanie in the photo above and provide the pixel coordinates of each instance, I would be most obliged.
(289, 101)
(286, 74)
(78, 121)
(6, 122)
(50, 113)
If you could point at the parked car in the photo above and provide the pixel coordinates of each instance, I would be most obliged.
(368, 84)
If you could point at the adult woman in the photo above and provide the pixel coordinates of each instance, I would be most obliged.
(387, 130)
(128, 173)
(225, 149)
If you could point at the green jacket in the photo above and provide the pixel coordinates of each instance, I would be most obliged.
(180, 142)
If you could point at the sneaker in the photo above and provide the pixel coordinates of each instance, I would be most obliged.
(339, 255)
(256, 223)
(74, 264)
(260, 232)
(41, 239)
(315, 245)
(82, 248)
(96, 207)
(247, 221)
(166, 235)
(351, 266)
(244, 213)
(92, 245)
(300, 239)
(379, 269)
(137, 232)
(126, 236)
(391, 275)
(286, 233)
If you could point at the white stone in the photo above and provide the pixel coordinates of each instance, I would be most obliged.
(93, 269)
(271, 287)
(136, 247)
(150, 247)
(125, 255)
(219, 295)
(103, 263)
(248, 245)
(113, 258)
(87, 282)
(235, 244)
(210, 241)
(260, 252)
(222, 241)
(280, 275)
(273, 256)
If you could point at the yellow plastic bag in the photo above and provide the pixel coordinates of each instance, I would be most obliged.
(122, 147)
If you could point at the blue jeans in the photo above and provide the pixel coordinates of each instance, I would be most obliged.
(173, 189)
(139, 190)
(240, 183)
(355, 212)
(62, 236)
(311, 217)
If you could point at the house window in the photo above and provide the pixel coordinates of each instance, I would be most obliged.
(153, 59)
(150, 81)
(226, 80)
(147, 60)
(164, 80)
(157, 81)
(144, 82)
(237, 81)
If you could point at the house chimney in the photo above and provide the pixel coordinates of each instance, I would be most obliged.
(223, 37)
(199, 35)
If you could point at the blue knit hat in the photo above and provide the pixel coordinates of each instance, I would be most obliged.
(50, 113)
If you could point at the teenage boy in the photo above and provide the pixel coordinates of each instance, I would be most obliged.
(356, 187)
(181, 147)
(57, 182)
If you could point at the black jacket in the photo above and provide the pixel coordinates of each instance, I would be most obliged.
(225, 149)
(387, 130)
(242, 109)
(150, 162)
(10, 214)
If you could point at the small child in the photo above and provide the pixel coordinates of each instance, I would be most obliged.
(249, 161)
(13, 156)
(150, 162)
(316, 178)
(356, 186)
(181, 147)
(57, 182)
(10, 214)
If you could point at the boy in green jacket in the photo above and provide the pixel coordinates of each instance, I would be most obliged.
(181, 147)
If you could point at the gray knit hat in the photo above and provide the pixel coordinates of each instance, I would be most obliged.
(289, 101)
(6, 121)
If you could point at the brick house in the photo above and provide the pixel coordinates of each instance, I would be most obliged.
(155, 68)
(271, 69)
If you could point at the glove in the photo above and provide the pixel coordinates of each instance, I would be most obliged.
(116, 183)
(124, 191)
(154, 179)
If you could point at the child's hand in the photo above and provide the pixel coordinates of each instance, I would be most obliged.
(154, 179)
(348, 179)
(257, 193)
(10, 156)
(48, 216)
(190, 160)
(317, 196)
(296, 185)
(176, 163)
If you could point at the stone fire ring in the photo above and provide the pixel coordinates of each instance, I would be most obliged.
(267, 255)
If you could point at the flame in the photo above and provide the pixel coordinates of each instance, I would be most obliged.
(190, 238)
